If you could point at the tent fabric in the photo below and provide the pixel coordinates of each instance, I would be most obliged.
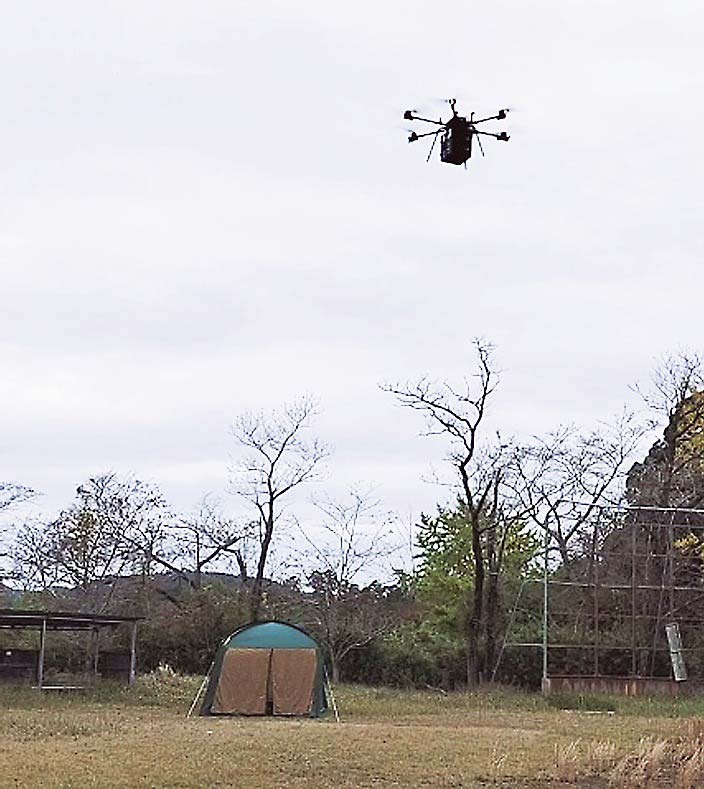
(274, 661)
(243, 682)
(293, 680)
(271, 635)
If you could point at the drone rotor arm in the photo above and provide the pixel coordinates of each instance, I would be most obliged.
(500, 116)
(409, 116)
(501, 136)
(427, 134)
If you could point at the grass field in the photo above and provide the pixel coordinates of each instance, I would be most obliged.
(141, 738)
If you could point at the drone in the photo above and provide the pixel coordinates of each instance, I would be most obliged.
(457, 134)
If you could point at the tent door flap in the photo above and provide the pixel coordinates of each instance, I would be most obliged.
(243, 685)
(293, 675)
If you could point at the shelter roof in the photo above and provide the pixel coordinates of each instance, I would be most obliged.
(16, 618)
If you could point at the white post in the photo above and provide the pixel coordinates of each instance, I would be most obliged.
(545, 685)
(96, 650)
(133, 654)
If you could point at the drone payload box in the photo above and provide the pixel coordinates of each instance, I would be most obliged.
(456, 142)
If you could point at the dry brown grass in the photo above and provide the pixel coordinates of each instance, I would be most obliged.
(674, 762)
(387, 738)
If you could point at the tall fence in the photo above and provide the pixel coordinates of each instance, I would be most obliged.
(622, 596)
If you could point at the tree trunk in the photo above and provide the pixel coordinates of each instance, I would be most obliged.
(334, 668)
(475, 662)
(255, 598)
(492, 599)
(492, 615)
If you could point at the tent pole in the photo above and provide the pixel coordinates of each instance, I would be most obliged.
(332, 695)
(200, 690)
(207, 677)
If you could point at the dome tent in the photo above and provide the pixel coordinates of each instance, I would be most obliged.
(266, 668)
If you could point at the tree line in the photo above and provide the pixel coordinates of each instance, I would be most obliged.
(119, 544)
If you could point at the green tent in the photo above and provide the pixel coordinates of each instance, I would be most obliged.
(266, 668)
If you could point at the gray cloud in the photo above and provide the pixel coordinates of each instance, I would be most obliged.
(212, 207)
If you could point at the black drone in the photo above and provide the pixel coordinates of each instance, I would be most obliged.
(457, 134)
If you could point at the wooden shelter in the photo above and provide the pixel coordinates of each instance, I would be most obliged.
(19, 664)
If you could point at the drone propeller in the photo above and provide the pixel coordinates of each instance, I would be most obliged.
(428, 108)
(436, 102)
(458, 96)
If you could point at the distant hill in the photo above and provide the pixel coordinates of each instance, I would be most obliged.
(7, 596)
(126, 594)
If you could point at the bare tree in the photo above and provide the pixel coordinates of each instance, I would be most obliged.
(353, 539)
(458, 414)
(673, 472)
(189, 546)
(277, 457)
(123, 526)
(676, 377)
(10, 495)
(562, 480)
(92, 543)
(35, 566)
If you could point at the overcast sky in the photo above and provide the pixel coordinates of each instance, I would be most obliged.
(208, 207)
